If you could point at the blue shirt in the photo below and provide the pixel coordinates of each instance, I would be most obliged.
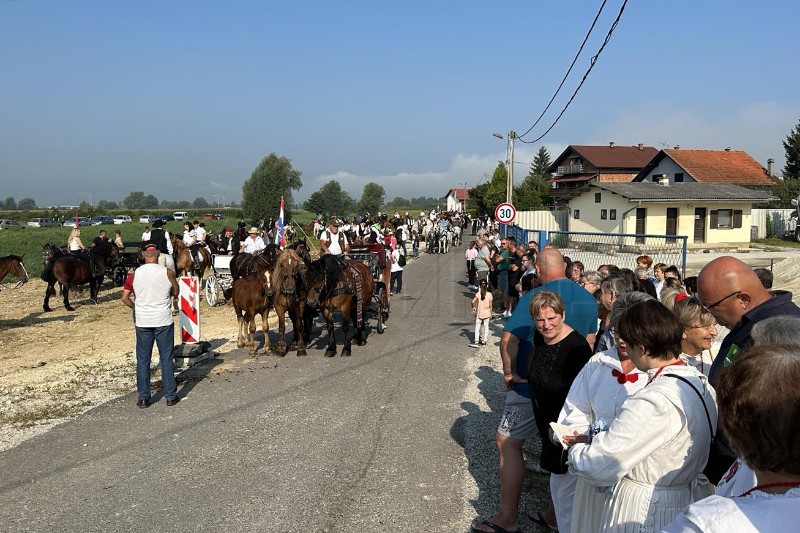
(580, 309)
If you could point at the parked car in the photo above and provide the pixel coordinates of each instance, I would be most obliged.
(10, 224)
(102, 219)
(82, 221)
(42, 223)
(147, 219)
(180, 215)
(218, 216)
(167, 218)
(209, 216)
(122, 219)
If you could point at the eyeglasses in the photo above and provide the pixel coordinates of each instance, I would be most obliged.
(708, 308)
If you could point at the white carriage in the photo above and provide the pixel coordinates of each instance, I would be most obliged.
(221, 281)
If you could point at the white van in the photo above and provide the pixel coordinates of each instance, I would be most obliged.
(122, 219)
(181, 215)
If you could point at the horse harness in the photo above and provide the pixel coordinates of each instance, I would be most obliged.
(358, 292)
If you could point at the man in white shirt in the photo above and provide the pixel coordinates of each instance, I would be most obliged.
(253, 243)
(332, 241)
(151, 299)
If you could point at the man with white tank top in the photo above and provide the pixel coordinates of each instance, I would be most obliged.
(154, 286)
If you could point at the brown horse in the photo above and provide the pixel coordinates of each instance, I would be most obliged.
(12, 264)
(345, 286)
(184, 264)
(290, 295)
(249, 298)
(72, 271)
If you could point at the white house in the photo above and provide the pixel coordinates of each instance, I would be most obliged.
(457, 199)
(707, 213)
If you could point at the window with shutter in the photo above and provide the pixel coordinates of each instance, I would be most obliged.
(597, 197)
(577, 214)
(737, 218)
(603, 214)
(714, 221)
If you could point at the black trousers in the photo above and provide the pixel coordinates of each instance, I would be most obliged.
(396, 282)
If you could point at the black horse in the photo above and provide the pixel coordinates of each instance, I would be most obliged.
(71, 271)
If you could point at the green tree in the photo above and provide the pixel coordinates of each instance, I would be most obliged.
(9, 204)
(134, 200)
(107, 204)
(26, 203)
(151, 202)
(496, 192)
(532, 193)
(200, 203)
(330, 199)
(478, 195)
(372, 198)
(785, 190)
(791, 170)
(272, 178)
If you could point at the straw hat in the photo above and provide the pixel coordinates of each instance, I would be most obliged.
(253, 230)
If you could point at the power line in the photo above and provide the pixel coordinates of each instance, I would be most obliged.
(586, 75)
(564, 79)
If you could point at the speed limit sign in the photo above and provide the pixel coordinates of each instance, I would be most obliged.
(505, 213)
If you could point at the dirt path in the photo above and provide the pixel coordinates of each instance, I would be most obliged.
(55, 365)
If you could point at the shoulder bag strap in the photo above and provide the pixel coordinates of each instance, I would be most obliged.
(702, 401)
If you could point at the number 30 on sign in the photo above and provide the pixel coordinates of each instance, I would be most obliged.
(505, 213)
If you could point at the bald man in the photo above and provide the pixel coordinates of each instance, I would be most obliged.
(732, 292)
(517, 423)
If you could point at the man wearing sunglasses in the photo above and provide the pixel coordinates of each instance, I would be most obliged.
(731, 291)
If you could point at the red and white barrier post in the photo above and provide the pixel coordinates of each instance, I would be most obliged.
(189, 306)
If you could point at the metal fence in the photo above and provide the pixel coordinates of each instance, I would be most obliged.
(620, 249)
(595, 249)
(779, 225)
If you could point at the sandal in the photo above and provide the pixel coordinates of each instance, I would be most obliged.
(495, 528)
(538, 518)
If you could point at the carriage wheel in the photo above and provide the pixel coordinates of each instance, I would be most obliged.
(119, 276)
(211, 290)
(381, 310)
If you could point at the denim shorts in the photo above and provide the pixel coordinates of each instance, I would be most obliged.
(517, 421)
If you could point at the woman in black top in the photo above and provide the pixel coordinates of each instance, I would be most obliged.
(559, 353)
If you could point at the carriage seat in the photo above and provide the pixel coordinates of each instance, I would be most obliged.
(378, 249)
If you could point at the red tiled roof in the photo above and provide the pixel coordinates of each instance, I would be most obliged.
(616, 178)
(616, 157)
(721, 166)
(460, 194)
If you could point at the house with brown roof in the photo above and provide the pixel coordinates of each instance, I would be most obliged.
(456, 200)
(706, 166)
(572, 170)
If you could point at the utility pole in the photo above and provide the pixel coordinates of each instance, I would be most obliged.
(512, 136)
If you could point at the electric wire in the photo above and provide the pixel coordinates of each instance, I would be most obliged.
(586, 75)
(569, 70)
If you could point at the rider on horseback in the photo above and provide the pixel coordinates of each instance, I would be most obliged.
(81, 252)
(334, 242)
(190, 240)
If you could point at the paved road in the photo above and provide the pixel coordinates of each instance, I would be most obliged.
(367, 443)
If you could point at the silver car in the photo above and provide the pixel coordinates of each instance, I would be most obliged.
(10, 224)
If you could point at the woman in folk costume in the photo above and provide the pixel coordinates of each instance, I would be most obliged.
(593, 403)
(759, 405)
(699, 328)
(653, 454)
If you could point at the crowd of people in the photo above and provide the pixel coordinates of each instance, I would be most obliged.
(646, 421)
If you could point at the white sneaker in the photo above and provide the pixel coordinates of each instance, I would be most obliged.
(473, 345)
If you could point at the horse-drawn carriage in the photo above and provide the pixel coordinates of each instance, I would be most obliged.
(221, 281)
(376, 258)
(119, 265)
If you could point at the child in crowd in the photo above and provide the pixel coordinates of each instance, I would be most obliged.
(482, 309)
(415, 244)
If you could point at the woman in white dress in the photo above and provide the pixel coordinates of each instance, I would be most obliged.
(759, 403)
(652, 456)
(593, 403)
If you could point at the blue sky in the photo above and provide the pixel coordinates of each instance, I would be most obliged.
(183, 98)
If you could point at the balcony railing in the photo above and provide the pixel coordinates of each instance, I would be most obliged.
(570, 169)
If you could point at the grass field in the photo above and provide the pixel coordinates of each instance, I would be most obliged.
(28, 242)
